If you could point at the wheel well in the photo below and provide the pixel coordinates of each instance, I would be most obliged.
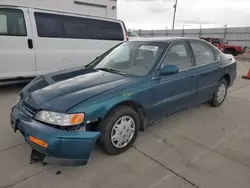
(227, 78)
(231, 49)
(135, 106)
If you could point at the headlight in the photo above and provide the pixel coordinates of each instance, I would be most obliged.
(60, 118)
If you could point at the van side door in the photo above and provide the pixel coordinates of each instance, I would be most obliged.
(17, 56)
(48, 39)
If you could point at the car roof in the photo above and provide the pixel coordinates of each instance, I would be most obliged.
(163, 39)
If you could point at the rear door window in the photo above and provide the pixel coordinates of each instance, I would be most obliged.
(203, 53)
(12, 22)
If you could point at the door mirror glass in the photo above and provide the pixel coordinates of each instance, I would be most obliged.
(169, 70)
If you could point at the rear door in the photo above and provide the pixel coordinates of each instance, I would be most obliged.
(207, 69)
(17, 57)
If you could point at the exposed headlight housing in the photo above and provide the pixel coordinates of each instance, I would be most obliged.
(60, 119)
(18, 99)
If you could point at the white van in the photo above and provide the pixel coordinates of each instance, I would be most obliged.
(36, 41)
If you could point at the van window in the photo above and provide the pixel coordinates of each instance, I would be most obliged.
(51, 25)
(12, 22)
(86, 28)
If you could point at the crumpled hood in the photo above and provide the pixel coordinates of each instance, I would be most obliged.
(62, 90)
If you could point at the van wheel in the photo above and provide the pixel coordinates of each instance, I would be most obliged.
(119, 130)
(220, 93)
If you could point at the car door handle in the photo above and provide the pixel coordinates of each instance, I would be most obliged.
(30, 43)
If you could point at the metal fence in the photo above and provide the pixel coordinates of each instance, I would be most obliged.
(235, 35)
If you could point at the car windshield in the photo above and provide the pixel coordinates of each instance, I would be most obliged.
(132, 34)
(131, 58)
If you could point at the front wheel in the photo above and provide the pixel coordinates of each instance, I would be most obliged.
(220, 93)
(119, 130)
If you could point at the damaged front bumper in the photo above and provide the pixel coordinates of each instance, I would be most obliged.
(61, 144)
(243, 50)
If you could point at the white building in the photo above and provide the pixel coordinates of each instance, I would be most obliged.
(102, 8)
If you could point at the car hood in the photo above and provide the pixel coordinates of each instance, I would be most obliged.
(62, 90)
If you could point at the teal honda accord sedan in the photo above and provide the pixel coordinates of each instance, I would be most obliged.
(108, 101)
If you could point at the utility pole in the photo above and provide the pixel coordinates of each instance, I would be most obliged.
(175, 7)
(225, 33)
(183, 31)
(200, 31)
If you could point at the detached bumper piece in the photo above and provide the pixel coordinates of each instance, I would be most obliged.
(46, 141)
(36, 157)
(243, 50)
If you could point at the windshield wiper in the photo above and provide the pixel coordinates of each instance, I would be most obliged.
(112, 70)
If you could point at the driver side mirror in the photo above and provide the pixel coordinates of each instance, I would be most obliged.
(169, 70)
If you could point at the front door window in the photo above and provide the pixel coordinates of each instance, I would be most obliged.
(178, 55)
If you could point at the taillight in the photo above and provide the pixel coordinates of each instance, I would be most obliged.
(127, 35)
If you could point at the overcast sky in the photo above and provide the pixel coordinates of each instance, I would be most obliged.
(158, 14)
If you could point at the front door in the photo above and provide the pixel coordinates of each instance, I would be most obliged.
(17, 57)
(173, 93)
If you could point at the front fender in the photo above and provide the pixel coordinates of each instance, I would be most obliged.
(100, 108)
(97, 107)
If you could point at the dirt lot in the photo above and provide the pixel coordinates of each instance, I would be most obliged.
(201, 147)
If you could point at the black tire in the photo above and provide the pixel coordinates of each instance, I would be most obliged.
(214, 101)
(230, 51)
(106, 125)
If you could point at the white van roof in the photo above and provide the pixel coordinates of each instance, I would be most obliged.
(58, 11)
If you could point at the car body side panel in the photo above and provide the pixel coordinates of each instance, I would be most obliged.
(172, 93)
(208, 77)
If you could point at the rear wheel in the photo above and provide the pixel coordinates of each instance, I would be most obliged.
(220, 93)
(230, 51)
(119, 130)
